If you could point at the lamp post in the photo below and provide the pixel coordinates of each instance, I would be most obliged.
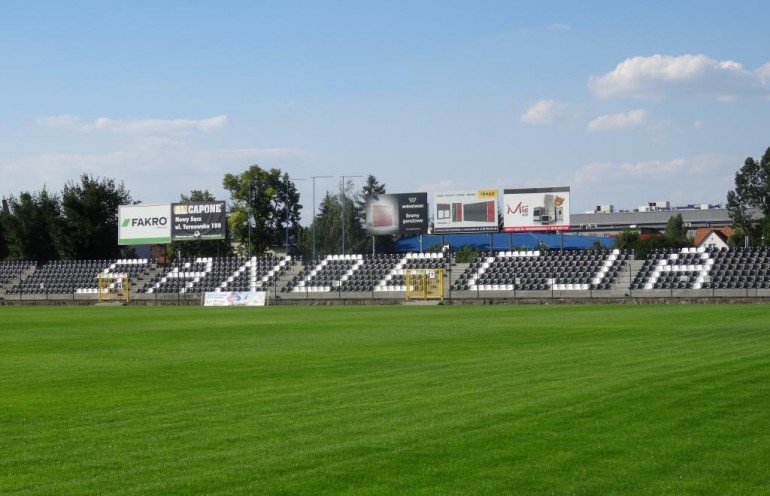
(343, 188)
(314, 178)
(287, 179)
(249, 215)
(254, 183)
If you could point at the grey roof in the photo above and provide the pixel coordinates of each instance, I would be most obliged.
(693, 218)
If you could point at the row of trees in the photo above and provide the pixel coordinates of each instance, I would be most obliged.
(749, 203)
(674, 236)
(81, 222)
(265, 209)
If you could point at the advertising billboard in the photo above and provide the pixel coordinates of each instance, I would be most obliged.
(536, 209)
(144, 224)
(401, 213)
(198, 220)
(235, 298)
(465, 211)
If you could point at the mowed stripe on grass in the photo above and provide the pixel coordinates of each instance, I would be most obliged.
(669, 399)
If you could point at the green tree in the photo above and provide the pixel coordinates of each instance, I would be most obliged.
(738, 238)
(675, 234)
(382, 244)
(466, 254)
(598, 246)
(752, 191)
(201, 248)
(335, 211)
(329, 225)
(628, 239)
(371, 187)
(32, 225)
(291, 213)
(262, 199)
(90, 218)
(3, 244)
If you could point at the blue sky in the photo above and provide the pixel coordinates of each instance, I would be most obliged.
(626, 103)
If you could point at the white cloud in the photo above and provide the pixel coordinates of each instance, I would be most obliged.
(542, 112)
(658, 76)
(134, 126)
(442, 185)
(633, 118)
(59, 121)
(694, 180)
(697, 125)
(764, 73)
(154, 170)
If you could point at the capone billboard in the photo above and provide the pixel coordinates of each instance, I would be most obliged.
(198, 220)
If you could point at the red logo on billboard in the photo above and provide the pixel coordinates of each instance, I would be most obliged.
(520, 209)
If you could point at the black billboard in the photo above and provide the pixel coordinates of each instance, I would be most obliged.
(402, 213)
(198, 221)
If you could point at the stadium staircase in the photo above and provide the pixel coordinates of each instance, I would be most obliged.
(622, 286)
(12, 277)
(458, 269)
(287, 276)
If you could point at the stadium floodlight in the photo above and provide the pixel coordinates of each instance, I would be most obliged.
(314, 178)
(343, 188)
(248, 217)
(288, 179)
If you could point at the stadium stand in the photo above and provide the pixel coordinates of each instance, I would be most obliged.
(362, 273)
(214, 274)
(77, 276)
(326, 275)
(395, 279)
(701, 268)
(13, 270)
(665, 272)
(370, 273)
(539, 271)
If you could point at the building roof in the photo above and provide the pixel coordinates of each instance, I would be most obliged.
(701, 234)
(616, 221)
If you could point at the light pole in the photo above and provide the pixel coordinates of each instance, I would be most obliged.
(249, 215)
(314, 178)
(286, 178)
(343, 187)
(254, 183)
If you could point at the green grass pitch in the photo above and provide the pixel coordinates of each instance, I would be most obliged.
(497, 399)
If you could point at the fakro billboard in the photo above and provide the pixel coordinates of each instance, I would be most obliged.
(144, 224)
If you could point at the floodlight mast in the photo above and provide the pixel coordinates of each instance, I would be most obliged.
(343, 188)
(254, 183)
(288, 181)
(249, 215)
(314, 214)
